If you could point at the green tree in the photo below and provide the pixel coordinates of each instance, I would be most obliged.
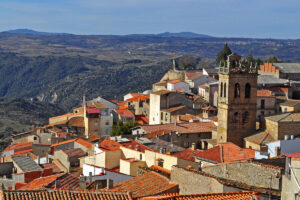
(123, 128)
(222, 55)
(272, 59)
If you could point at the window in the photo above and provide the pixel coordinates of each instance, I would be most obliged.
(221, 92)
(245, 117)
(161, 116)
(141, 156)
(96, 123)
(237, 90)
(107, 123)
(167, 116)
(186, 144)
(34, 138)
(187, 135)
(285, 109)
(262, 113)
(247, 91)
(224, 89)
(235, 117)
(262, 104)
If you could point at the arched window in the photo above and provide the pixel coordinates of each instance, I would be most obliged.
(245, 117)
(237, 90)
(221, 90)
(224, 89)
(247, 91)
(235, 117)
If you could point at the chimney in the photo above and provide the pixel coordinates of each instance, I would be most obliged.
(90, 177)
(193, 146)
(57, 183)
(83, 100)
(110, 184)
(82, 183)
(39, 160)
(286, 137)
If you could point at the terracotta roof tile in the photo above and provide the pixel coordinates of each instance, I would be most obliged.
(52, 166)
(210, 108)
(131, 144)
(225, 152)
(76, 122)
(245, 195)
(75, 152)
(175, 108)
(138, 98)
(141, 119)
(19, 147)
(265, 93)
(174, 81)
(40, 182)
(182, 128)
(260, 138)
(124, 113)
(64, 194)
(67, 181)
(93, 111)
(150, 183)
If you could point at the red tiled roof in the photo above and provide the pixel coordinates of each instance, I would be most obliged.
(113, 145)
(184, 118)
(182, 128)
(135, 145)
(174, 81)
(141, 119)
(67, 181)
(138, 98)
(225, 152)
(76, 122)
(150, 183)
(158, 169)
(93, 111)
(108, 144)
(210, 108)
(123, 107)
(278, 89)
(85, 143)
(19, 147)
(64, 194)
(78, 140)
(191, 74)
(52, 166)
(121, 103)
(74, 152)
(245, 195)
(124, 113)
(265, 93)
(40, 182)
(64, 142)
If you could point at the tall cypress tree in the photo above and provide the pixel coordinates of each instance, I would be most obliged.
(222, 55)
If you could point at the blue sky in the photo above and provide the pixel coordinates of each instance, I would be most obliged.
(228, 18)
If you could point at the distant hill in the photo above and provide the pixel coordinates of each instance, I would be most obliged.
(168, 34)
(29, 31)
(19, 115)
(184, 34)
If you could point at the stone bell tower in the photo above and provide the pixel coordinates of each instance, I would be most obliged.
(237, 100)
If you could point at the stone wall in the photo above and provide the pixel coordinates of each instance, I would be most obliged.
(194, 183)
(247, 172)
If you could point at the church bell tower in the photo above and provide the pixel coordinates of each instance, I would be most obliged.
(237, 100)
